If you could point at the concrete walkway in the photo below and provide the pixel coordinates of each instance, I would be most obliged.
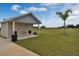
(8, 48)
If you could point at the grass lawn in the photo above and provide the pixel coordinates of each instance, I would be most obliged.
(52, 42)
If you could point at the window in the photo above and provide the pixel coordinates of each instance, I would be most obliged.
(29, 31)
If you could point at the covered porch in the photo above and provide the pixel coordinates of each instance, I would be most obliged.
(24, 30)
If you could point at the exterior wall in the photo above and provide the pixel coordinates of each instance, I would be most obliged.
(21, 28)
(10, 29)
(0, 30)
(4, 29)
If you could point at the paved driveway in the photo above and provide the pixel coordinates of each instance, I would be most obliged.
(8, 48)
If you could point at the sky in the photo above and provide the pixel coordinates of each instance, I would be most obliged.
(45, 12)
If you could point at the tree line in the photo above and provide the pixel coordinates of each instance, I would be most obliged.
(72, 26)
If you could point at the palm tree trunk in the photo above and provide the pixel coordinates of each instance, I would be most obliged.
(64, 27)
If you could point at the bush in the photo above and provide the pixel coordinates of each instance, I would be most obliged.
(43, 26)
(35, 33)
(77, 26)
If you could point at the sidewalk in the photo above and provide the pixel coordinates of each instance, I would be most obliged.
(11, 49)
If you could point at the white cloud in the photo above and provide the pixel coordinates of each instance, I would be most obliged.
(18, 9)
(75, 9)
(52, 22)
(27, 10)
(76, 12)
(23, 12)
(36, 9)
(73, 20)
(15, 7)
(48, 4)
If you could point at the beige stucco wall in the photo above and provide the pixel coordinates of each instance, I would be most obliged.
(4, 29)
(21, 28)
(10, 29)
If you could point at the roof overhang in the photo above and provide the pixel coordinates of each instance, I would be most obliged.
(18, 17)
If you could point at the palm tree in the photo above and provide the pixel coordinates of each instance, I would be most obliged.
(64, 16)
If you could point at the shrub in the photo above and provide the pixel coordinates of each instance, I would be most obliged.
(43, 26)
(35, 33)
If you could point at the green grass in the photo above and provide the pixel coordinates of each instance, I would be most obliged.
(52, 42)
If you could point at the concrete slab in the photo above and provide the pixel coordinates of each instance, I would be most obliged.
(8, 48)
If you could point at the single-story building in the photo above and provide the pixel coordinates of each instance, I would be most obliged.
(23, 24)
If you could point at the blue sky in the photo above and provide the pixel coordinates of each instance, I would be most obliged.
(45, 12)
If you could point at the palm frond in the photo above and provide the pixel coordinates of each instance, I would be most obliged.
(66, 14)
(68, 11)
(60, 14)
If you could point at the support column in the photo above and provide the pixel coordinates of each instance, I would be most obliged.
(13, 26)
(38, 27)
(14, 34)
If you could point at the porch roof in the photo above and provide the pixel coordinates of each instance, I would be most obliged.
(18, 17)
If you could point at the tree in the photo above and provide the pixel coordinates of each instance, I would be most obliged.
(64, 16)
(43, 26)
(77, 26)
(70, 26)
